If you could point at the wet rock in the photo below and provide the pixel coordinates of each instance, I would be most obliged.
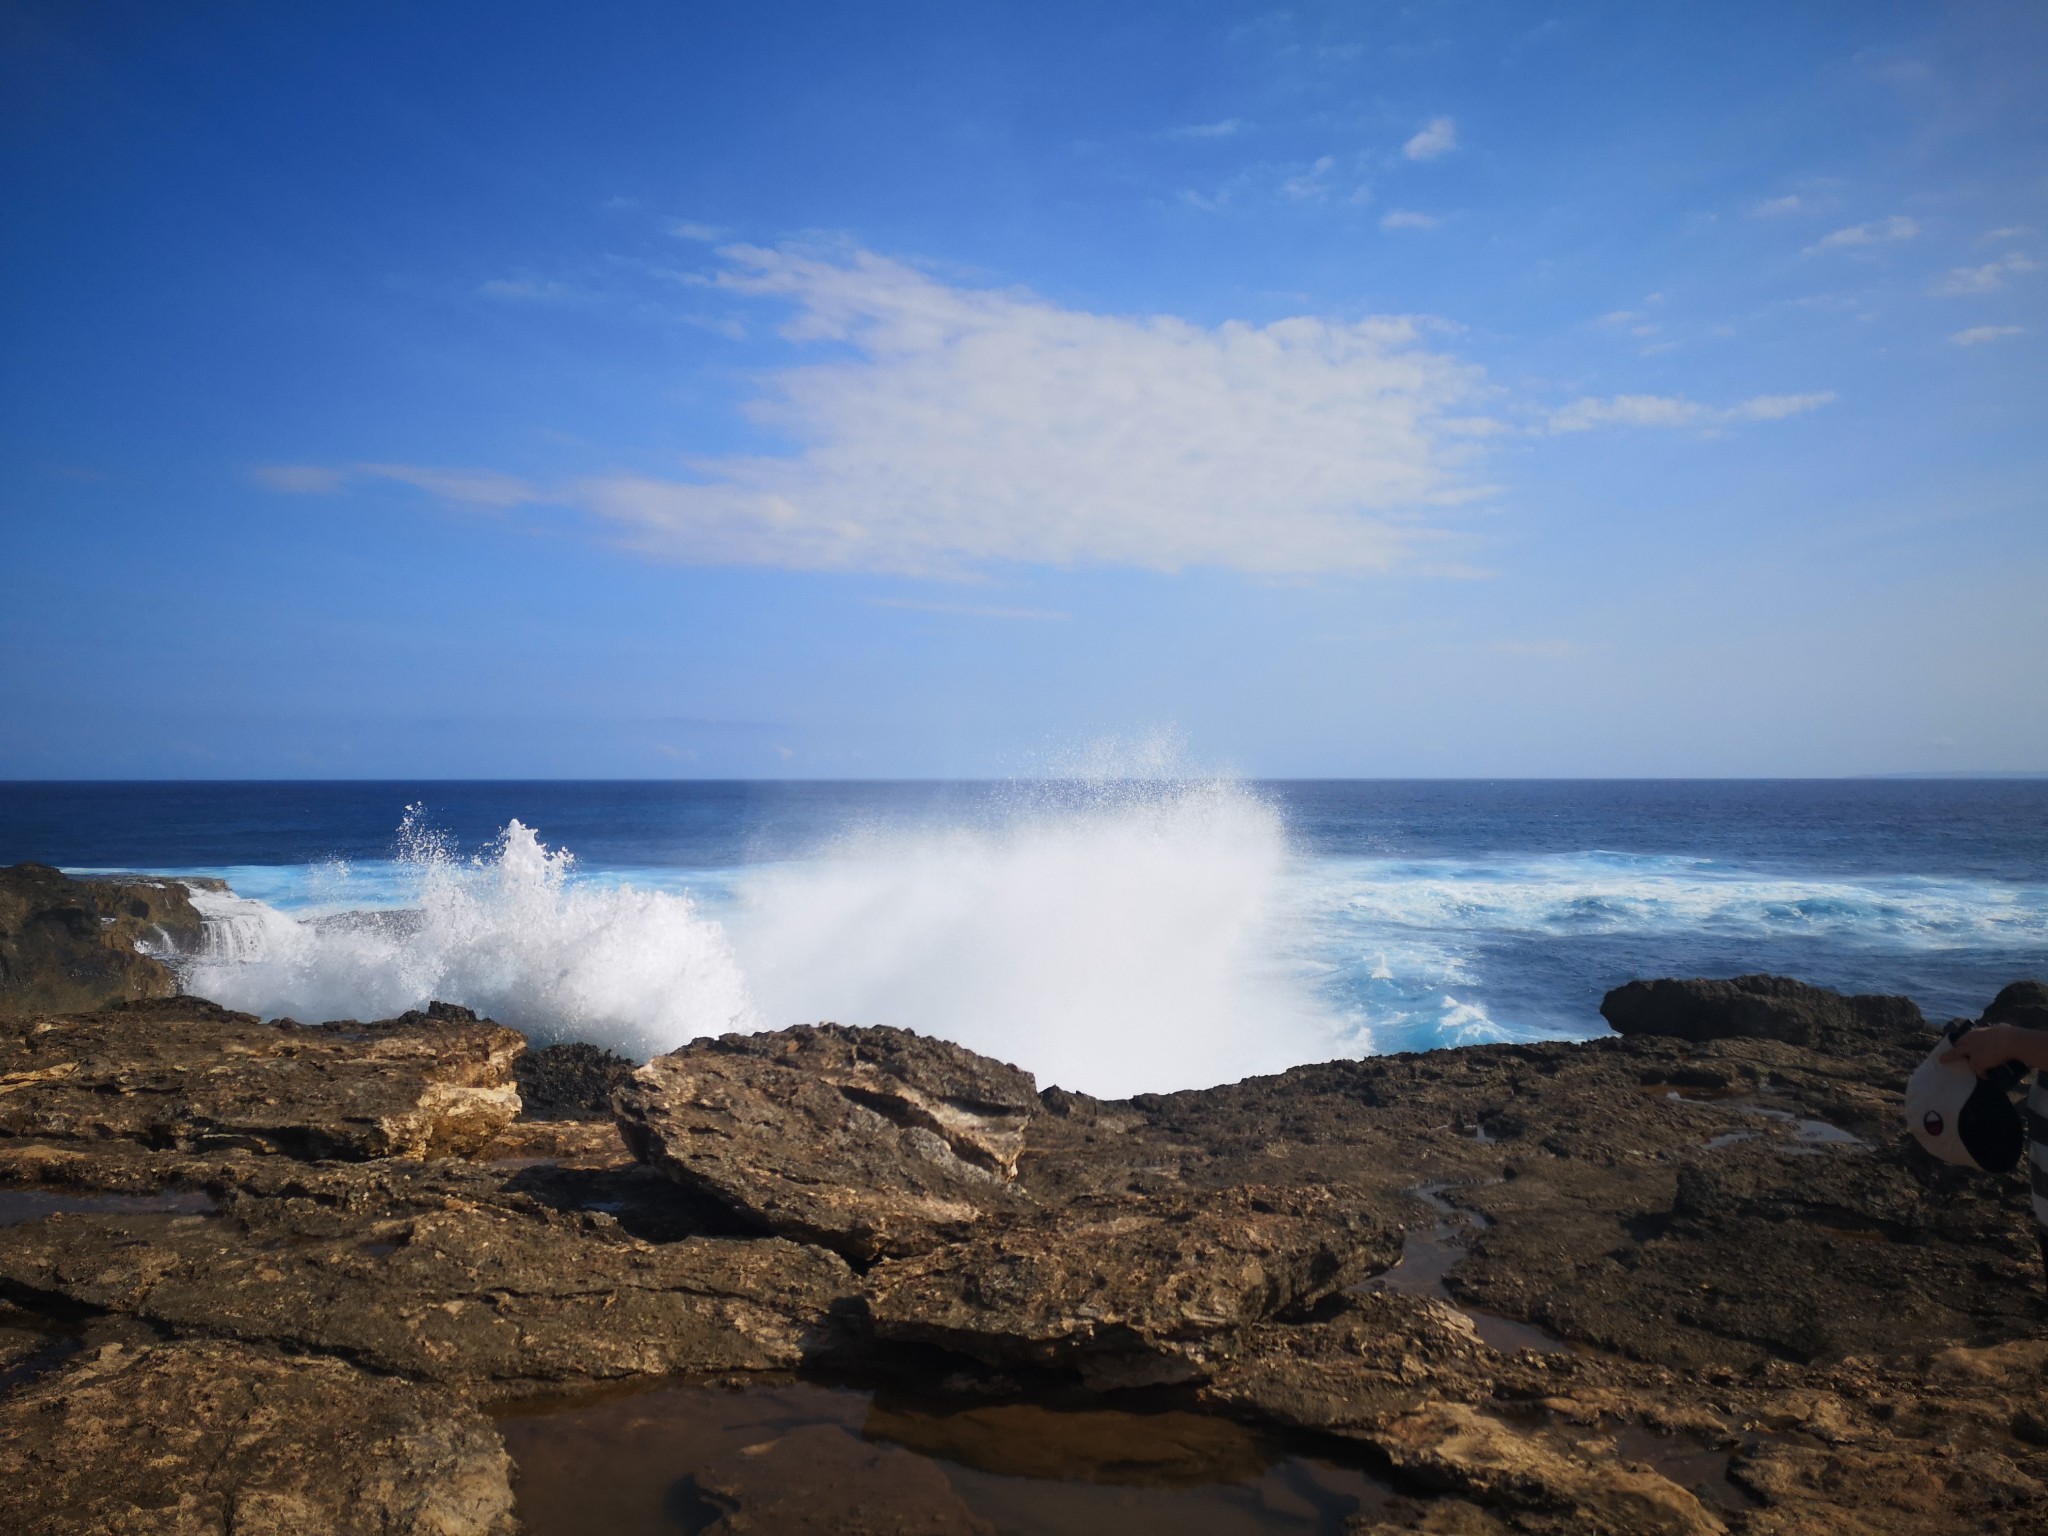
(1752, 1007)
(185, 1073)
(1130, 1292)
(68, 945)
(869, 1141)
(201, 1437)
(575, 1081)
(461, 1281)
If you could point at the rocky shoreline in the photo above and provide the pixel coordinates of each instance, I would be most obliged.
(1693, 1277)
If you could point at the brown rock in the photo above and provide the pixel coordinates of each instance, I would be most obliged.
(1130, 1292)
(456, 1281)
(185, 1073)
(204, 1437)
(69, 945)
(868, 1141)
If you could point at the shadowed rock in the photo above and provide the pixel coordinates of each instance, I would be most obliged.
(184, 1073)
(1753, 1008)
(68, 945)
(208, 1437)
(868, 1141)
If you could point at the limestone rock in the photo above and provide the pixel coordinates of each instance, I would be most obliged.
(68, 945)
(1129, 1292)
(197, 1438)
(185, 1073)
(868, 1141)
(1751, 1007)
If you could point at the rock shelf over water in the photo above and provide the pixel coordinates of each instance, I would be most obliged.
(372, 1236)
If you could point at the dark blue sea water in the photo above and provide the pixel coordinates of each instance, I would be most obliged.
(1110, 935)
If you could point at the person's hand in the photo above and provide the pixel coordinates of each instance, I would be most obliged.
(1990, 1046)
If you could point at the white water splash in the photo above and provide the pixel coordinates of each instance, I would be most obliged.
(510, 935)
(1111, 937)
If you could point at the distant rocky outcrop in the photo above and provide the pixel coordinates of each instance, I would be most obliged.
(70, 945)
(1752, 1008)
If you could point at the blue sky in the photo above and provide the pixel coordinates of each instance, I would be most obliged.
(879, 390)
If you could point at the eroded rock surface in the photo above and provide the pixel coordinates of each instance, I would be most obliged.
(68, 945)
(1754, 1008)
(869, 1141)
(212, 1437)
(453, 1276)
(1130, 1292)
(185, 1073)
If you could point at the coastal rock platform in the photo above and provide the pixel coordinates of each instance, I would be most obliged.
(1692, 1277)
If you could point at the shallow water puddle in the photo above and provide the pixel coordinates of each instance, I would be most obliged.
(1427, 1257)
(19, 1205)
(800, 1457)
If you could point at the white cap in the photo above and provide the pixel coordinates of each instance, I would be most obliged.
(1958, 1116)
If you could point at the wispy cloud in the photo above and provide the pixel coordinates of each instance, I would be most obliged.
(684, 229)
(528, 290)
(1439, 137)
(1222, 130)
(1408, 218)
(300, 479)
(970, 610)
(1977, 335)
(476, 487)
(1672, 411)
(1775, 207)
(1311, 184)
(1877, 232)
(1989, 278)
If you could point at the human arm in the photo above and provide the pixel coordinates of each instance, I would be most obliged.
(1990, 1046)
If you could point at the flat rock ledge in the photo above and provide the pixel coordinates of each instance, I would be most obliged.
(183, 1073)
(1693, 1278)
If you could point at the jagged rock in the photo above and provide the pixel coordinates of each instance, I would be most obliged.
(197, 1438)
(1752, 1007)
(868, 1141)
(574, 1081)
(185, 1073)
(1131, 1292)
(450, 1278)
(69, 945)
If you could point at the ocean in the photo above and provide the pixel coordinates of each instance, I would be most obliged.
(1112, 935)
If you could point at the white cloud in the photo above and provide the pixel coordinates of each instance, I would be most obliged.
(1440, 137)
(1671, 411)
(2008, 232)
(1774, 207)
(683, 229)
(1977, 335)
(972, 425)
(1963, 281)
(1310, 183)
(299, 479)
(1408, 218)
(1877, 232)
